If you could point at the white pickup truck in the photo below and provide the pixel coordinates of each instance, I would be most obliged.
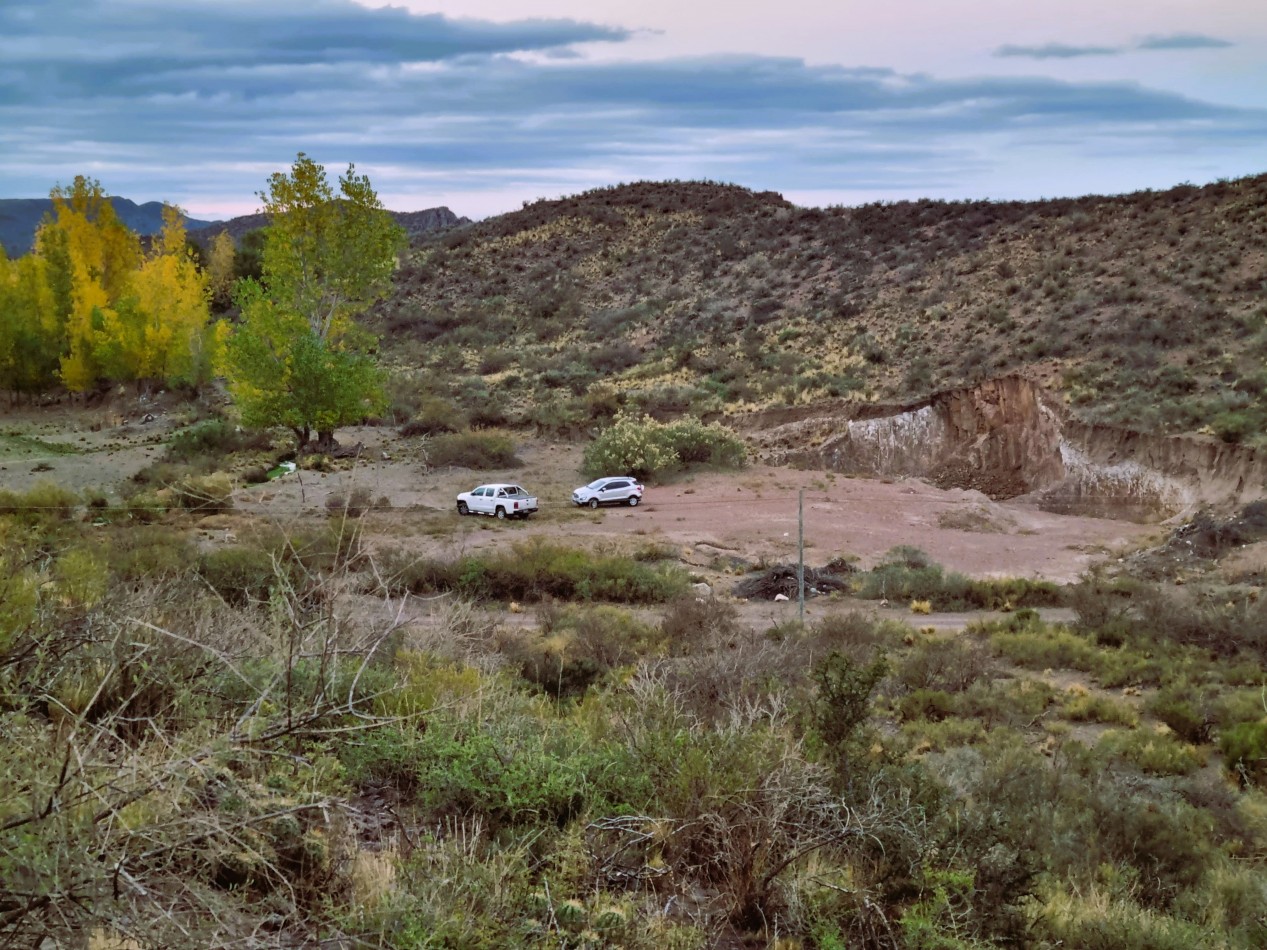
(500, 501)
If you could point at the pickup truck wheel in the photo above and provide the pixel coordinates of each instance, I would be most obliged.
(501, 514)
(462, 509)
(633, 501)
(593, 502)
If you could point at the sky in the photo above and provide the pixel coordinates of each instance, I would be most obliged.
(482, 105)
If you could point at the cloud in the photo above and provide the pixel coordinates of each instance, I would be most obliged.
(1057, 51)
(1179, 41)
(1173, 41)
(105, 46)
(189, 100)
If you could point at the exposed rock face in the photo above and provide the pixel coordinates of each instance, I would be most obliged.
(1006, 438)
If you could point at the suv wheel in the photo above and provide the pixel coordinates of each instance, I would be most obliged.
(462, 509)
(501, 513)
(633, 501)
(593, 502)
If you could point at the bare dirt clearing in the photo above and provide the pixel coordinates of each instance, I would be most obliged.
(80, 449)
(717, 521)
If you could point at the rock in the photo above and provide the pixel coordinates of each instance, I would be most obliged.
(778, 598)
(702, 591)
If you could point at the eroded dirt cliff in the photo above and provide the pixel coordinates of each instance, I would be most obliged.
(1008, 437)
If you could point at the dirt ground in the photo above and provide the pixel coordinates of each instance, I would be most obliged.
(717, 520)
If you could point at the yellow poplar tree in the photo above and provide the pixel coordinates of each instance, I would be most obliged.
(221, 266)
(166, 339)
(30, 332)
(92, 254)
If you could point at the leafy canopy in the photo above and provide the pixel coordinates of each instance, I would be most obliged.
(297, 359)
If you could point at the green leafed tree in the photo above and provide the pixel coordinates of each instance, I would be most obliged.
(297, 358)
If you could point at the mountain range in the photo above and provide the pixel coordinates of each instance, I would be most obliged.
(20, 217)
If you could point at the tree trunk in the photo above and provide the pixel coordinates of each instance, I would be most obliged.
(325, 441)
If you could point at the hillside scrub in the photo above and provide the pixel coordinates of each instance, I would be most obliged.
(1144, 310)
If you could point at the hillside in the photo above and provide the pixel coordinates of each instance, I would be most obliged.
(1147, 310)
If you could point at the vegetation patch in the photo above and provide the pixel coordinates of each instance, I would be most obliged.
(534, 570)
(15, 445)
(481, 450)
(907, 574)
(648, 449)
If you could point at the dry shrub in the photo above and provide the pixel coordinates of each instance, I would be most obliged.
(486, 449)
(354, 505)
(579, 648)
(203, 493)
(690, 623)
(947, 665)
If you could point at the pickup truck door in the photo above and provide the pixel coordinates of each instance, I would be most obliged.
(482, 500)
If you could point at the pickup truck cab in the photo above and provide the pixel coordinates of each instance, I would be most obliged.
(499, 500)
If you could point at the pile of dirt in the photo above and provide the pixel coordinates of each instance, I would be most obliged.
(1198, 544)
(781, 579)
(1208, 537)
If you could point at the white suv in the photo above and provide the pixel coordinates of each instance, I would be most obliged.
(609, 491)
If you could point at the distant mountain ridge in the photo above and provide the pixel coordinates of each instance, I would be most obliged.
(414, 222)
(20, 217)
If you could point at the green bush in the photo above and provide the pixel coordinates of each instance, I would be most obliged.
(212, 440)
(579, 647)
(536, 570)
(241, 574)
(648, 449)
(1182, 707)
(949, 665)
(1085, 706)
(479, 450)
(931, 704)
(138, 552)
(690, 622)
(1155, 751)
(508, 772)
(203, 493)
(906, 574)
(1244, 748)
(45, 502)
(354, 505)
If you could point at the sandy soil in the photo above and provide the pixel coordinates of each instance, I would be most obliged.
(106, 444)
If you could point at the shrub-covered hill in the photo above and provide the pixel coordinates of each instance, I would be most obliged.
(1148, 309)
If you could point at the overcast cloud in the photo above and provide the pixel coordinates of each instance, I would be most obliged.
(197, 102)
